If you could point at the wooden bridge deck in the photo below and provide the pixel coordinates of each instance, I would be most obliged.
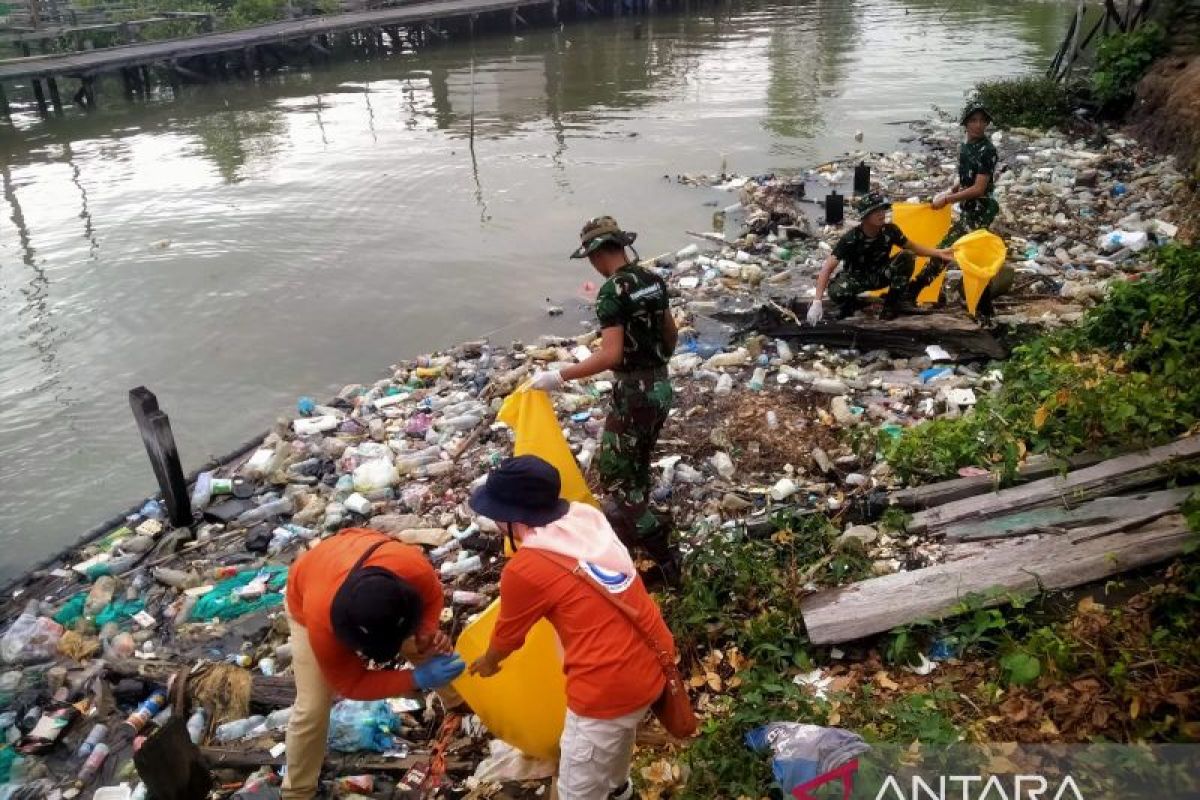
(92, 62)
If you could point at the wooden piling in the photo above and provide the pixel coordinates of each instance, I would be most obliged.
(155, 428)
(4, 109)
(55, 98)
(40, 96)
(127, 83)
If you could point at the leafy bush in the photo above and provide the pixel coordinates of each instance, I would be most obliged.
(255, 12)
(1128, 376)
(1030, 102)
(1122, 59)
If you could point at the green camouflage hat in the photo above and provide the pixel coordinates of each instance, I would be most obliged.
(973, 107)
(597, 231)
(870, 202)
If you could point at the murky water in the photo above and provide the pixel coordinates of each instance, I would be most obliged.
(247, 244)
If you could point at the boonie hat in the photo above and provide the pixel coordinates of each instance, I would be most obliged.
(522, 489)
(871, 201)
(599, 230)
(974, 107)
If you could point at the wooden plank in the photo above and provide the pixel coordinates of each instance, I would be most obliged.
(1128, 472)
(1035, 467)
(1124, 512)
(155, 428)
(1032, 564)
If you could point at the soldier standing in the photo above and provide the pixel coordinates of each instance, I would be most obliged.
(637, 337)
(867, 264)
(977, 207)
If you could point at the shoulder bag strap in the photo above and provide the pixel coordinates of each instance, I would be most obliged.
(663, 654)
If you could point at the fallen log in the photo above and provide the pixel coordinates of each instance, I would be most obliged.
(244, 758)
(903, 336)
(1032, 564)
(1103, 514)
(1122, 474)
(266, 692)
(1035, 467)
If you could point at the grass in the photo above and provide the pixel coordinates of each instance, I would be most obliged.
(1128, 376)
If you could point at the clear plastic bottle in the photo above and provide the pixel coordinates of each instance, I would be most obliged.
(196, 725)
(724, 385)
(758, 379)
(95, 761)
(464, 566)
(95, 736)
(273, 508)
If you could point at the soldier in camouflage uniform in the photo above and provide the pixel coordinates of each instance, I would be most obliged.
(638, 336)
(867, 264)
(977, 207)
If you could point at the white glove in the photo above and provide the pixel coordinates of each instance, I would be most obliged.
(546, 380)
(815, 312)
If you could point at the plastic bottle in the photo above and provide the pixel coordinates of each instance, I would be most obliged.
(724, 385)
(772, 420)
(469, 599)
(411, 462)
(435, 469)
(464, 566)
(95, 736)
(723, 464)
(93, 764)
(232, 731)
(274, 508)
(147, 710)
(437, 554)
(278, 720)
(196, 725)
(758, 379)
(358, 504)
(100, 595)
(784, 350)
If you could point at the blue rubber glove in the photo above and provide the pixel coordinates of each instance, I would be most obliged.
(438, 671)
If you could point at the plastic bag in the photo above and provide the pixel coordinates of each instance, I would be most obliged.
(224, 603)
(531, 416)
(357, 725)
(925, 226)
(30, 639)
(119, 611)
(71, 610)
(981, 255)
(803, 752)
(506, 763)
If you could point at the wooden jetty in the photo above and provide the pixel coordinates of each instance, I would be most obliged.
(197, 58)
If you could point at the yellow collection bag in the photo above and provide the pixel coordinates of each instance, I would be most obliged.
(525, 704)
(927, 227)
(530, 414)
(980, 253)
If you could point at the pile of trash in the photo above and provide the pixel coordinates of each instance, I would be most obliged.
(93, 647)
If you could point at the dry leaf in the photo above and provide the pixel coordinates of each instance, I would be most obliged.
(1135, 706)
(882, 679)
(1040, 416)
(714, 681)
(1089, 604)
(1048, 727)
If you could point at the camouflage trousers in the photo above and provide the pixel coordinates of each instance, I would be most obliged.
(897, 278)
(973, 215)
(636, 416)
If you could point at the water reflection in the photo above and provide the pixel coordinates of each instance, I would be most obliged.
(250, 242)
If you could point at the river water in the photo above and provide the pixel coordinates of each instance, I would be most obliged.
(248, 243)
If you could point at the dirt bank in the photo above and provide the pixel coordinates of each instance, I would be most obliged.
(1167, 116)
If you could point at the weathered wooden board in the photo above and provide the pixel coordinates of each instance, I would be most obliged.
(1127, 511)
(1035, 467)
(1024, 565)
(1125, 473)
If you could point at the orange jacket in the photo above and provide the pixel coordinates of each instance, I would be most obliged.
(315, 578)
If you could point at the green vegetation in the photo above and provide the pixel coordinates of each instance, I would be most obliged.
(1128, 376)
(1121, 61)
(1030, 102)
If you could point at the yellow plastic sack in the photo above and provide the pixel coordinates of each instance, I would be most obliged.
(980, 254)
(921, 224)
(927, 227)
(531, 416)
(525, 703)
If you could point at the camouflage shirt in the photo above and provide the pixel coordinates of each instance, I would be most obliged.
(864, 255)
(975, 159)
(636, 299)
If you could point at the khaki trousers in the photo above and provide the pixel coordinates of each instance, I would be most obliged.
(308, 727)
(595, 755)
